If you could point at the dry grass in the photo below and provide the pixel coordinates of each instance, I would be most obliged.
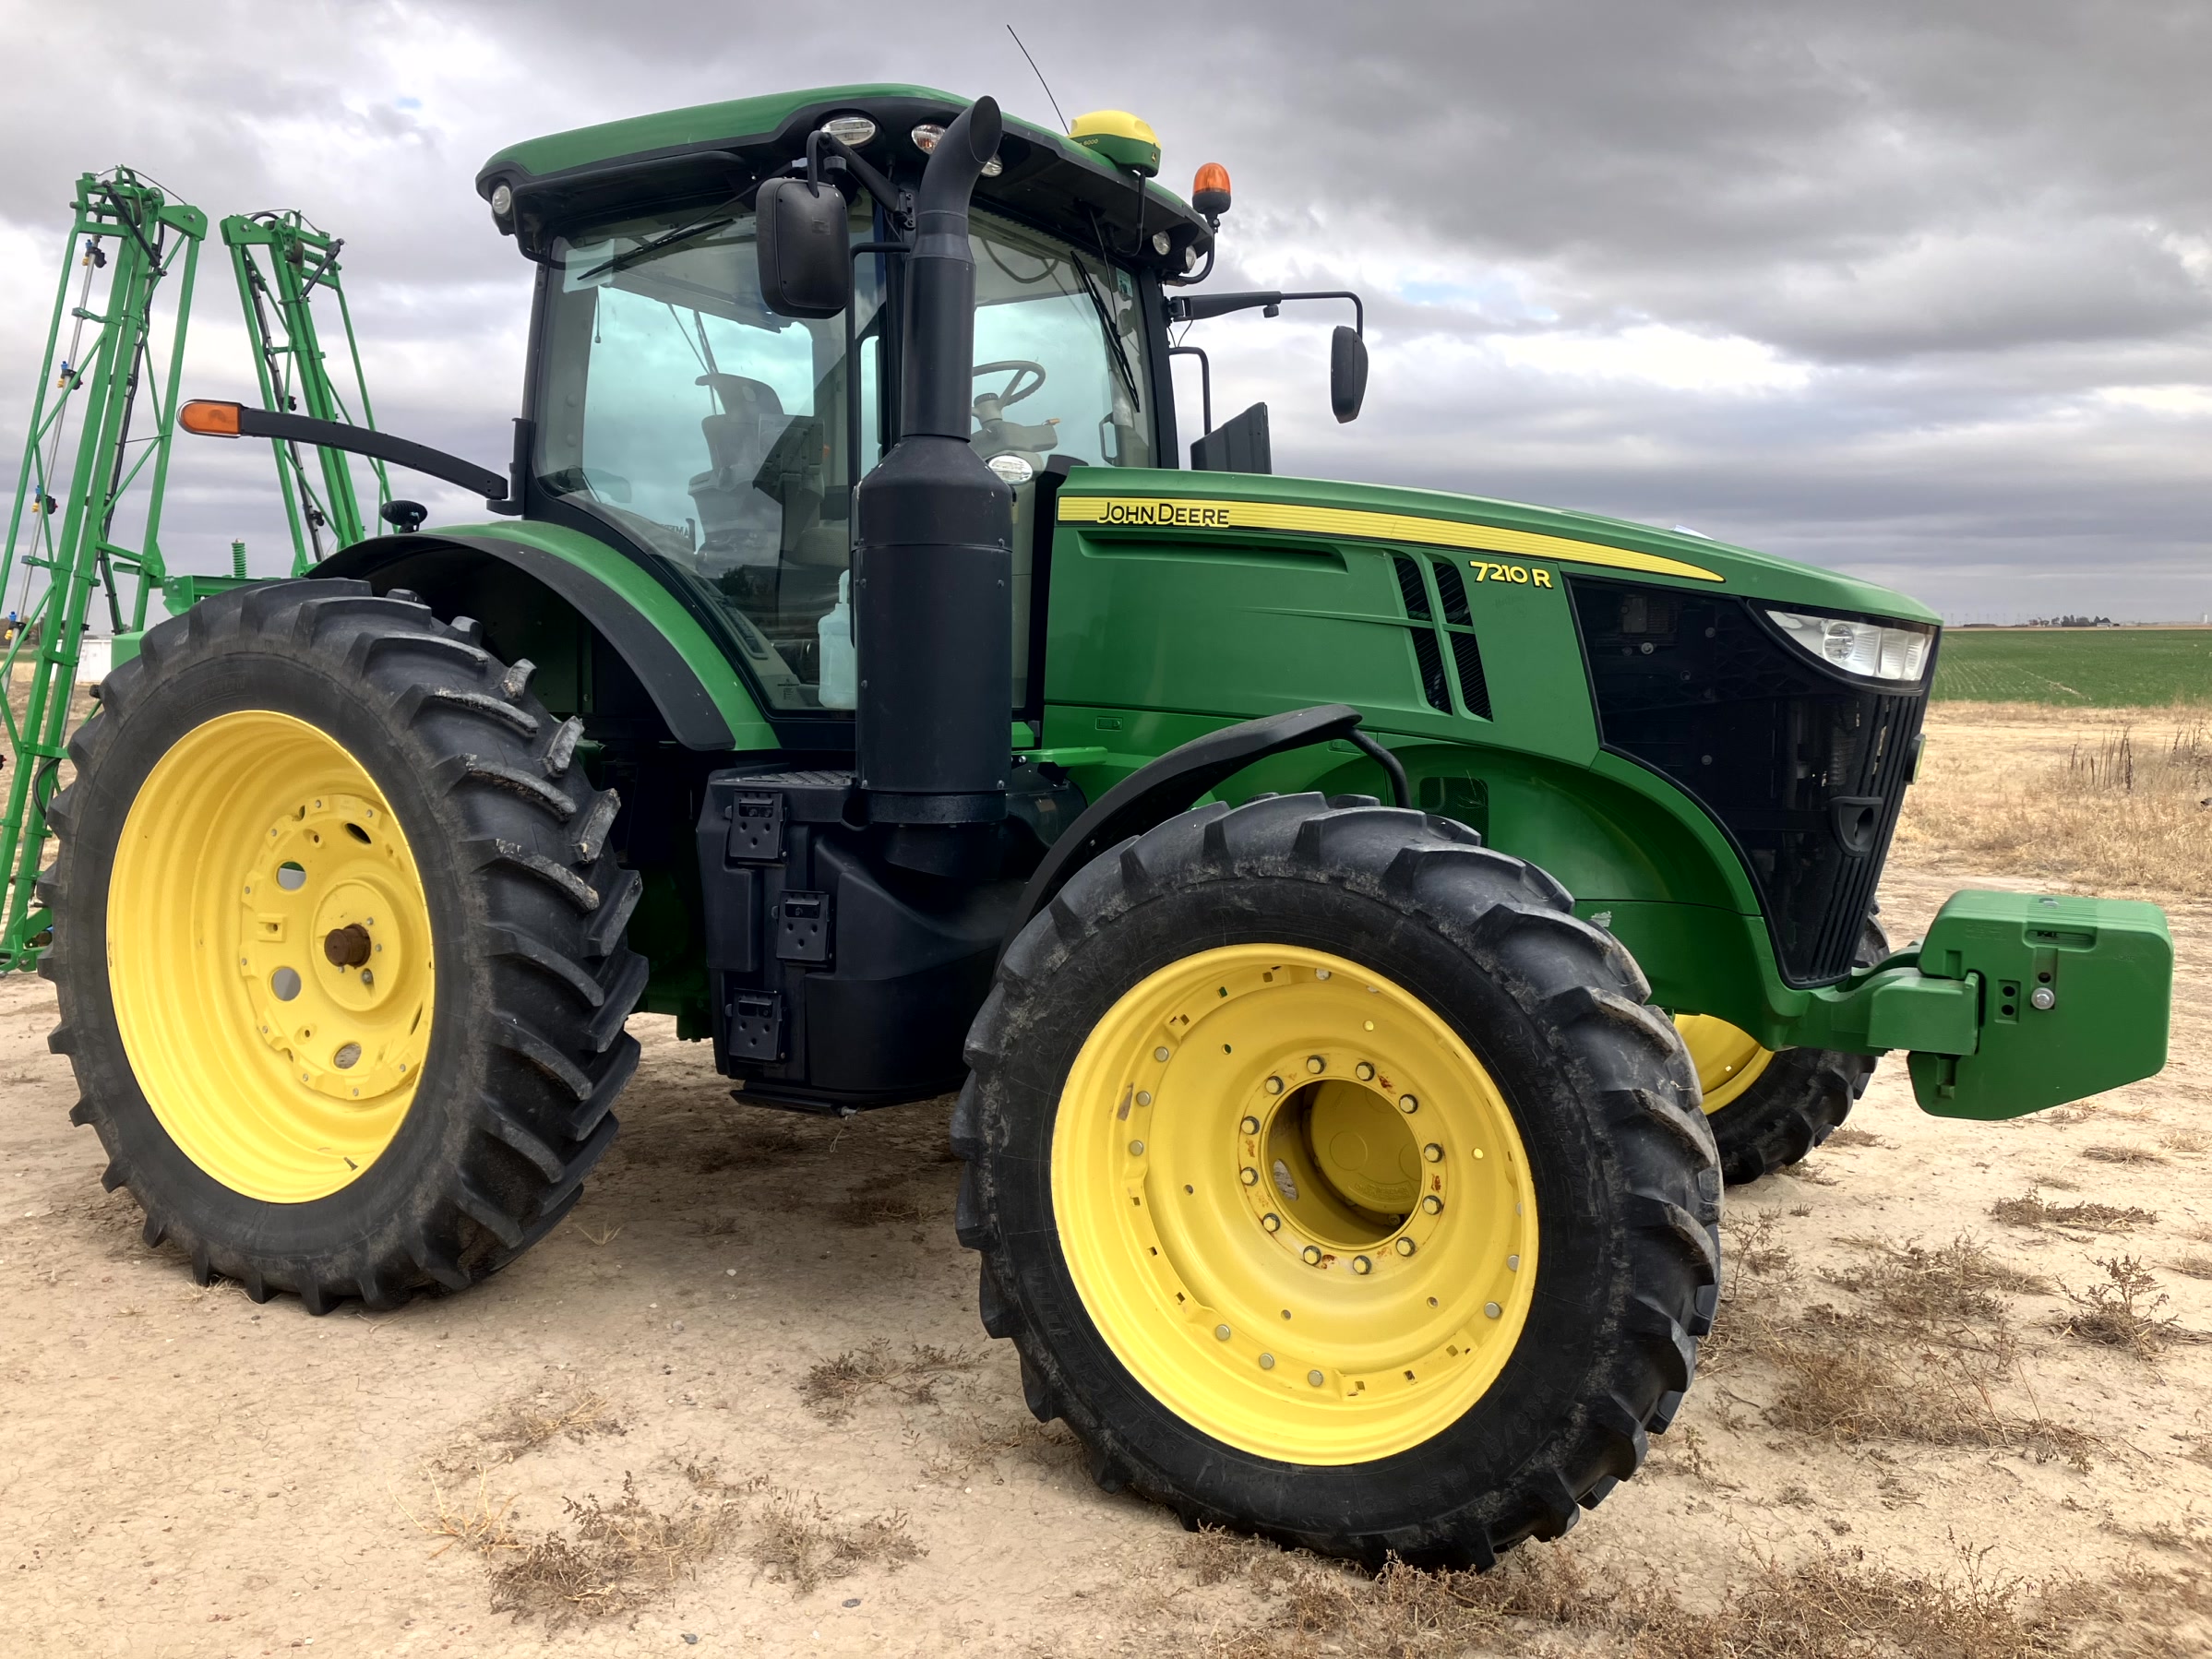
(2120, 1155)
(2186, 1140)
(801, 1544)
(1833, 1604)
(874, 1207)
(731, 1227)
(2196, 1264)
(1750, 1243)
(1935, 1291)
(836, 1385)
(2122, 1312)
(576, 1413)
(1849, 1136)
(2124, 806)
(610, 1557)
(979, 1445)
(2033, 1210)
(476, 1521)
(1925, 1355)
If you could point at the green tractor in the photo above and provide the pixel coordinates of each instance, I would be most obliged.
(1299, 882)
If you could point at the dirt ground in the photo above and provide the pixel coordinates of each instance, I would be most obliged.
(740, 1403)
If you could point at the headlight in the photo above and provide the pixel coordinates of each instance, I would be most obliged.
(1877, 650)
(854, 130)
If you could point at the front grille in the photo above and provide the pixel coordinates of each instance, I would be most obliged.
(1805, 770)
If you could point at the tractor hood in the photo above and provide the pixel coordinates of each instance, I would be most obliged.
(715, 152)
(1506, 538)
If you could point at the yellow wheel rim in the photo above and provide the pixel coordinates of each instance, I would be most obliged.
(269, 958)
(1295, 1204)
(1729, 1060)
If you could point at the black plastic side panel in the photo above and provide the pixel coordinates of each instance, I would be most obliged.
(839, 981)
(428, 563)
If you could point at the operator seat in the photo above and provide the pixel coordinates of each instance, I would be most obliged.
(738, 523)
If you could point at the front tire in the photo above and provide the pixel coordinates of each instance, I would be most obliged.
(1769, 1109)
(338, 944)
(1335, 1183)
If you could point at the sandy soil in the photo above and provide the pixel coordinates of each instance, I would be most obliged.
(183, 1473)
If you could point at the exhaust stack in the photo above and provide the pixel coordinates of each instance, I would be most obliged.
(934, 567)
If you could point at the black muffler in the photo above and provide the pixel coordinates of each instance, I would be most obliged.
(933, 571)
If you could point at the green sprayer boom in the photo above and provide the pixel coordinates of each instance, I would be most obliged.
(282, 261)
(87, 501)
(62, 533)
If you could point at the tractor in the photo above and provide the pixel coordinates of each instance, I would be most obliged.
(1363, 925)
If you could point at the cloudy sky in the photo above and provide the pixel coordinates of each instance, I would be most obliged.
(1923, 291)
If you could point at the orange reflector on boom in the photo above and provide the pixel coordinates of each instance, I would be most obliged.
(210, 419)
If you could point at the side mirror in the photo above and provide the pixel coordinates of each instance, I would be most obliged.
(806, 250)
(1347, 374)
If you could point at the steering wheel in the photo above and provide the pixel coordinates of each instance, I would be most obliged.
(1018, 386)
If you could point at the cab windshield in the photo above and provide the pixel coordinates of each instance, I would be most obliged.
(714, 434)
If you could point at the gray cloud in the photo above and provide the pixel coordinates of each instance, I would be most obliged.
(1923, 291)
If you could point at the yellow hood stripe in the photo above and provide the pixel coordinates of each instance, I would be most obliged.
(1189, 513)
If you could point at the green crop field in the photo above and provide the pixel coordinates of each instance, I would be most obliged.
(2077, 667)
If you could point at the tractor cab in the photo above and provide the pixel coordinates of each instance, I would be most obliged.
(676, 413)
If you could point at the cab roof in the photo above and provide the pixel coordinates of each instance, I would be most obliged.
(711, 152)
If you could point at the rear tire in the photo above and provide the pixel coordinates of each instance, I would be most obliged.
(1588, 1347)
(401, 738)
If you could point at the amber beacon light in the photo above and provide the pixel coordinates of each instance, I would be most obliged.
(1210, 191)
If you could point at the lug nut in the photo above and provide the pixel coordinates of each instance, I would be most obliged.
(1311, 1256)
(1408, 1105)
(1316, 1379)
(1434, 1152)
(1250, 1126)
(1492, 1310)
(1144, 1097)
(1315, 1063)
(1360, 1264)
(1405, 1247)
(1274, 1085)
(1433, 1204)
(1136, 1149)
(1222, 1332)
(1248, 1176)
(2043, 996)
(1271, 1222)
(1513, 1264)
(1160, 1055)
(1267, 1362)
(1364, 1072)
(367, 978)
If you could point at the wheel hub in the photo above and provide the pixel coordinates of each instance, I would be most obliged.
(1294, 1203)
(336, 991)
(284, 1065)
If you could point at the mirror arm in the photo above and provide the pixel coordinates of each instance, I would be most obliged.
(1206, 380)
(898, 203)
(1197, 307)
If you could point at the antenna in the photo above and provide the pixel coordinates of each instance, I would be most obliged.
(1041, 81)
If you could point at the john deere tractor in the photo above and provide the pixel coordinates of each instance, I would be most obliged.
(1338, 907)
